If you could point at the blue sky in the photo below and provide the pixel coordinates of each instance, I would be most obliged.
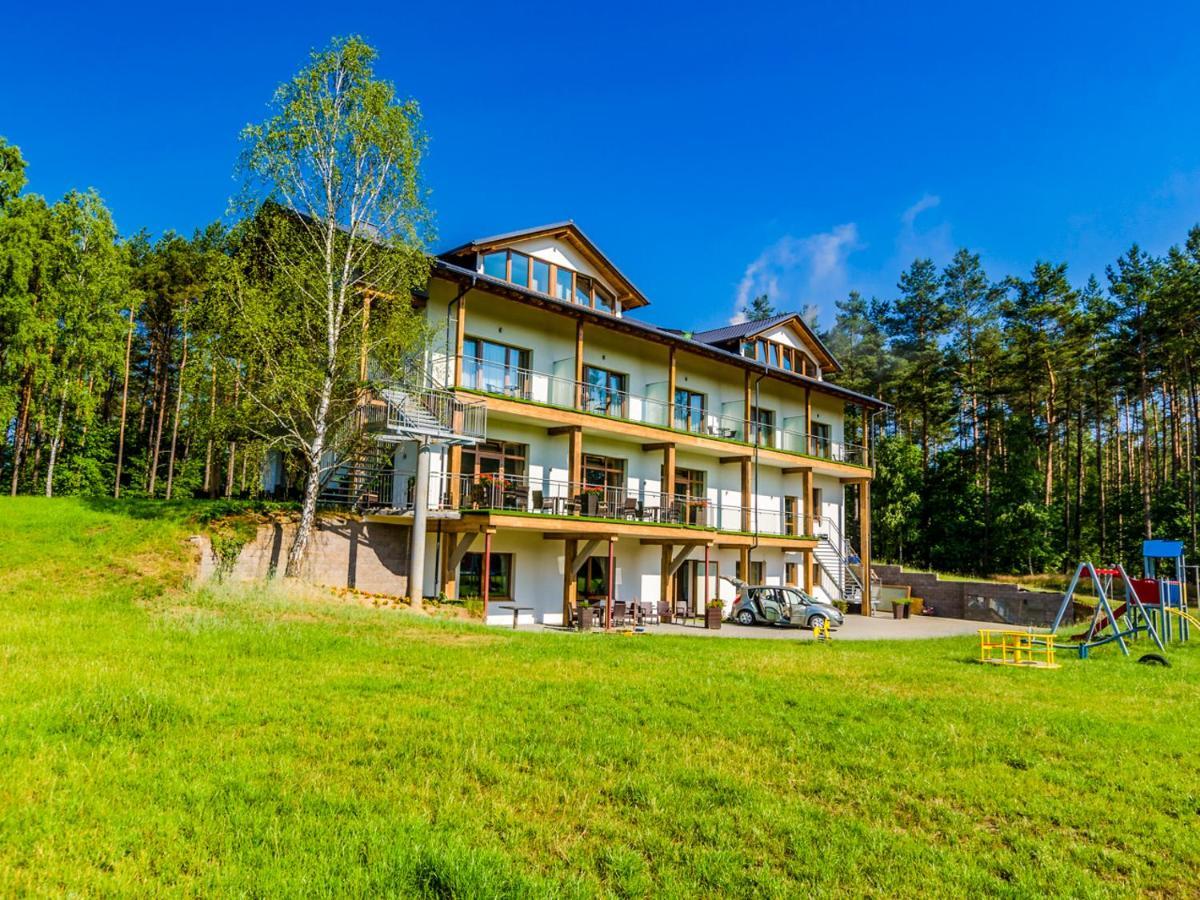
(805, 149)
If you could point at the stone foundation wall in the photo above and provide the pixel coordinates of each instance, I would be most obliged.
(343, 552)
(980, 601)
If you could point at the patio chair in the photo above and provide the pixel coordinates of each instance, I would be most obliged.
(662, 611)
(682, 610)
(620, 613)
(631, 510)
(679, 511)
(649, 614)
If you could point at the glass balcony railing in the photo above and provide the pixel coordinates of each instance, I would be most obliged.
(602, 399)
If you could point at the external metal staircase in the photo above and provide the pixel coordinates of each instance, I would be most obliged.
(839, 563)
(395, 414)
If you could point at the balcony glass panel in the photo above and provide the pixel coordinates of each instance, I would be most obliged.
(496, 264)
(541, 276)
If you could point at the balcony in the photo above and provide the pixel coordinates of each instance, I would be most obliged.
(543, 388)
(555, 498)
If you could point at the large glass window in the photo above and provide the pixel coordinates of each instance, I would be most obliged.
(762, 425)
(562, 283)
(520, 269)
(496, 264)
(495, 368)
(604, 300)
(592, 580)
(604, 391)
(583, 290)
(470, 576)
(820, 438)
(541, 276)
(689, 410)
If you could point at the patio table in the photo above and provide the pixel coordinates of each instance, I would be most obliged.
(516, 611)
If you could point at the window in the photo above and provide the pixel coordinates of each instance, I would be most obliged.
(756, 571)
(791, 515)
(791, 574)
(689, 410)
(496, 264)
(762, 426)
(520, 269)
(583, 290)
(748, 349)
(504, 458)
(470, 576)
(820, 439)
(562, 283)
(604, 391)
(604, 471)
(495, 368)
(545, 278)
(541, 276)
(604, 300)
(592, 580)
(689, 493)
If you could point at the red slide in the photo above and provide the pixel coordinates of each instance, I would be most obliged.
(1103, 623)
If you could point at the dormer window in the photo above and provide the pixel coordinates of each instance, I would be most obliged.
(779, 356)
(544, 277)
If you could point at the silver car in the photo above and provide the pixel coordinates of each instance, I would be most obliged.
(787, 607)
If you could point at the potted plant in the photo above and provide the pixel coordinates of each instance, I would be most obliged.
(583, 610)
(900, 608)
(713, 613)
(591, 500)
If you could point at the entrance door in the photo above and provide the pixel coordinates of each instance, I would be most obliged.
(685, 584)
(816, 504)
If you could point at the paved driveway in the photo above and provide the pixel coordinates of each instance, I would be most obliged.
(857, 628)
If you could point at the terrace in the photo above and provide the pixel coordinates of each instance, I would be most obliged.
(604, 398)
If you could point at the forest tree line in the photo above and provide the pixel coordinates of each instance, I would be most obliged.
(1036, 421)
(169, 368)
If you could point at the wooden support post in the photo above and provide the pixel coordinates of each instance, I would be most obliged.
(707, 584)
(574, 461)
(460, 327)
(748, 399)
(807, 577)
(864, 542)
(747, 493)
(487, 571)
(670, 423)
(454, 464)
(570, 586)
(808, 441)
(808, 502)
(579, 364)
(744, 557)
(611, 583)
(666, 580)
(668, 482)
(449, 573)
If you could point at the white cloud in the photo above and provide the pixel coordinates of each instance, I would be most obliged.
(797, 273)
(913, 243)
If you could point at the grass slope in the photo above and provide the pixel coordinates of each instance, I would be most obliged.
(159, 740)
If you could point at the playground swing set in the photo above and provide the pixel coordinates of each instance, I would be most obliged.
(1156, 605)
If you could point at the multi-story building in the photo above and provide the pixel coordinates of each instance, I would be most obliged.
(619, 458)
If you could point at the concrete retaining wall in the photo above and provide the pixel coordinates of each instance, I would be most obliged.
(344, 552)
(980, 601)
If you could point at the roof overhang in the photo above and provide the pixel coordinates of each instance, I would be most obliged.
(570, 233)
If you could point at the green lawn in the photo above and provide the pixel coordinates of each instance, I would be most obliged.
(156, 740)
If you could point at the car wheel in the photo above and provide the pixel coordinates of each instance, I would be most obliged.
(745, 617)
(817, 621)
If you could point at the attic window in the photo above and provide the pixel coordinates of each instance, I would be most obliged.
(547, 278)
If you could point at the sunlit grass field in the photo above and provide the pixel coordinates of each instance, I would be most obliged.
(160, 740)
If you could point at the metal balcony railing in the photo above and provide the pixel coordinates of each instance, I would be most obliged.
(552, 497)
(427, 411)
(603, 399)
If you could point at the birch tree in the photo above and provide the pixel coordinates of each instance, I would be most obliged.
(332, 181)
